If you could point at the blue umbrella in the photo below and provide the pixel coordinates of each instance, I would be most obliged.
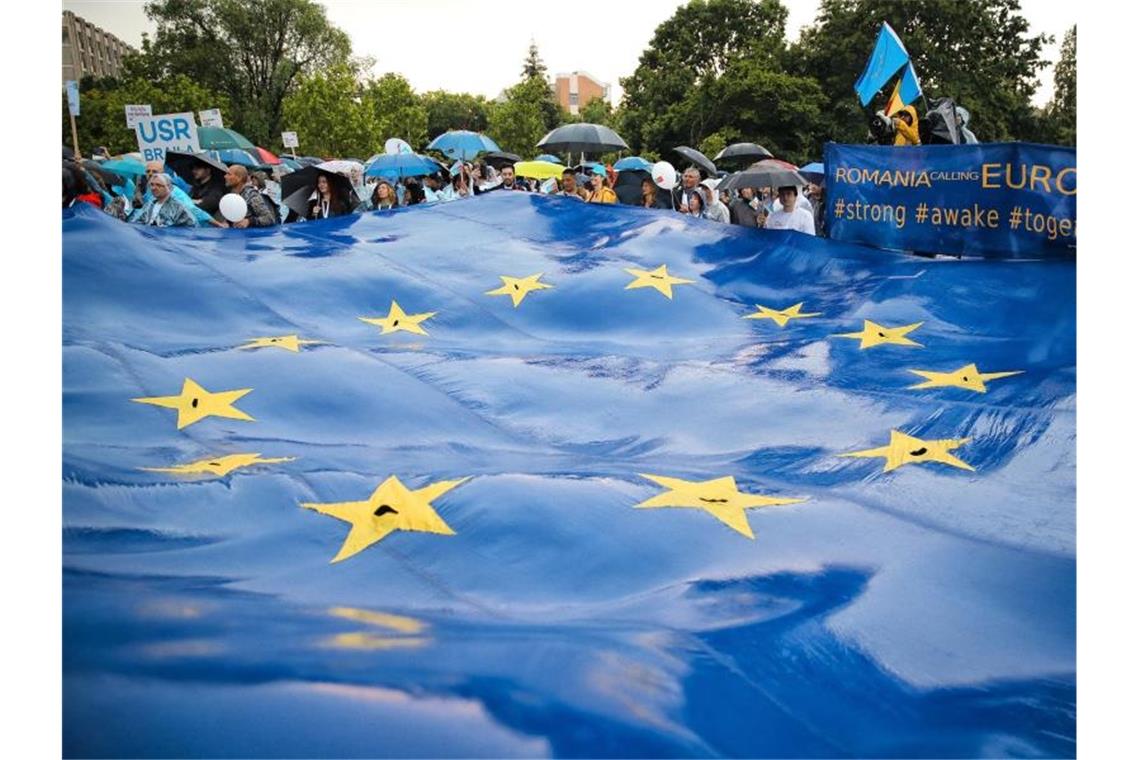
(633, 162)
(463, 144)
(813, 171)
(237, 156)
(124, 167)
(401, 165)
(549, 159)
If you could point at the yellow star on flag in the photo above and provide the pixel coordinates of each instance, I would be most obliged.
(874, 334)
(219, 466)
(398, 320)
(966, 377)
(659, 279)
(518, 287)
(906, 449)
(196, 403)
(390, 507)
(719, 497)
(286, 342)
(782, 316)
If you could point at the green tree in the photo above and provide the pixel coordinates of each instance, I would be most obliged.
(978, 52)
(253, 51)
(327, 110)
(517, 123)
(397, 110)
(103, 121)
(533, 66)
(750, 102)
(691, 49)
(1061, 113)
(455, 110)
(597, 111)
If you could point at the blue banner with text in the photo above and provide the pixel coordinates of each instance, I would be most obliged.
(1000, 200)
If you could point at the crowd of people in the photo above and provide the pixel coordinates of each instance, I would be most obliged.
(165, 198)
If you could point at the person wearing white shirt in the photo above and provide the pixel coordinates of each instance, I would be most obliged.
(790, 216)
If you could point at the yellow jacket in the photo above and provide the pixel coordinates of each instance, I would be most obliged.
(907, 134)
(602, 195)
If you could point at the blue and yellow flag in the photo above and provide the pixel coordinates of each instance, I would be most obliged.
(888, 56)
(524, 476)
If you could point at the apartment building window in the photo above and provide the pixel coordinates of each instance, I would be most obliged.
(573, 98)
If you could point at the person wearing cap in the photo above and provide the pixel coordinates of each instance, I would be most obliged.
(714, 209)
(599, 192)
(790, 216)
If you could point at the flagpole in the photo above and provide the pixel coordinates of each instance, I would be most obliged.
(74, 136)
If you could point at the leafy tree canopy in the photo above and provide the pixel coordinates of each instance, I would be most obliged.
(978, 52)
(328, 112)
(253, 51)
(518, 123)
(455, 110)
(1061, 113)
(692, 48)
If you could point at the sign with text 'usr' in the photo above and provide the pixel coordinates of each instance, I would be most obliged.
(171, 131)
(1001, 200)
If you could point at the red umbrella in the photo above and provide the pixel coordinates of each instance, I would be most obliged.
(266, 157)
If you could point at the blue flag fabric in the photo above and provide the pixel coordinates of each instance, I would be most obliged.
(914, 601)
(909, 88)
(886, 59)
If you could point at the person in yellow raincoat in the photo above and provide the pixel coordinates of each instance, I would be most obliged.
(906, 127)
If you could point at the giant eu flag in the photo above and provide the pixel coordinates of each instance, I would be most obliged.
(524, 476)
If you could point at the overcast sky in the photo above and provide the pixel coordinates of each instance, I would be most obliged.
(415, 37)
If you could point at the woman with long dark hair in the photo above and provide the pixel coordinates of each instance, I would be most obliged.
(328, 202)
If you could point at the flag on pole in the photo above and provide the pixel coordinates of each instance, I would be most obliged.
(886, 59)
(909, 88)
(906, 91)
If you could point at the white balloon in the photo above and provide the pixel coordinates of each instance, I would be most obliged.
(232, 207)
(394, 146)
(664, 175)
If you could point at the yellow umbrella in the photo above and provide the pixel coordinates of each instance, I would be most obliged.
(538, 169)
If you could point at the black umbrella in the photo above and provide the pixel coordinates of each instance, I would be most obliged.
(770, 172)
(183, 164)
(698, 158)
(296, 187)
(499, 159)
(582, 138)
(743, 152)
(628, 185)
